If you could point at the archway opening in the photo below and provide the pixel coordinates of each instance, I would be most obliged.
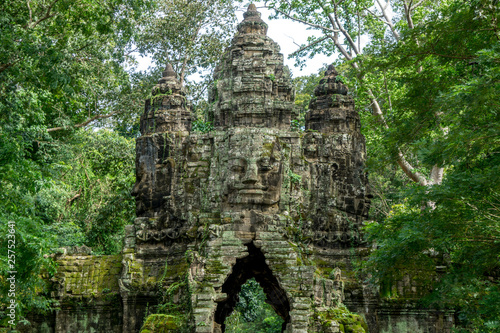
(254, 267)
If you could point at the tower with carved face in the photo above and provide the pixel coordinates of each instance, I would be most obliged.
(250, 199)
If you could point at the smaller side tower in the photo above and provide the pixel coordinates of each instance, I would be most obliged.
(167, 109)
(332, 109)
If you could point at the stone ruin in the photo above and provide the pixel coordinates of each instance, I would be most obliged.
(253, 198)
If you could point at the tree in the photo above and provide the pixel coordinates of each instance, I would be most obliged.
(343, 23)
(88, 201)
(60, 62)
(251, 313)
(61, 69)
(191, 36)
(304, 91)
(463, 223)
(79, 195)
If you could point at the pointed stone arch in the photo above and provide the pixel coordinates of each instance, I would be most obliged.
(252, 266)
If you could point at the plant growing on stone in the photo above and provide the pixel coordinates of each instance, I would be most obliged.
(202, 126)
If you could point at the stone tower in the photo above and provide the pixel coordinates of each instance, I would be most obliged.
(250, 199)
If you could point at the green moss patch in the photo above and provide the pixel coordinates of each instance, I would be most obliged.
(160, 323)
(348, 322)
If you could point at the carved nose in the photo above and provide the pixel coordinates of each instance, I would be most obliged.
(251, 174)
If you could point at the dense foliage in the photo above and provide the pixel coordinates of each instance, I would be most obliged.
(61, 69)
(78, 194)
(458, 219)
(69, 107)
(304, 91)
(251, 313)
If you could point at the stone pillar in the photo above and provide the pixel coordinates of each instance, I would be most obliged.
(331, 110)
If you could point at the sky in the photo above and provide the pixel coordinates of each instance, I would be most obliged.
(288, 34)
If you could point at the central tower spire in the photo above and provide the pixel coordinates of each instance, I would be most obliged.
(252, 23)
(252, 87)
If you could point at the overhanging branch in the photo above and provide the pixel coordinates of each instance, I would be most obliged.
(303, 21)
(85, 123)
(309, 45)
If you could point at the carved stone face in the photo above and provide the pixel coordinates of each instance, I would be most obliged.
(253, 171)
(153, 180)
(144, 166)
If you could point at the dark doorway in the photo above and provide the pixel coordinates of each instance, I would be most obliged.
(253, 266)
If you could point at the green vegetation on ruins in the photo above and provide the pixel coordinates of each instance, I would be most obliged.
(426, 84)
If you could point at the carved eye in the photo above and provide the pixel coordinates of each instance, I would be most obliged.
(265, 164)
(237, 168)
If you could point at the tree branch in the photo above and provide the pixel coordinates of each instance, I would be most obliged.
(70, 200)
(309, 45)
(359, 30)
(85, 123)
(387, 91)
(418, 4)
(407, 168)
(47, 16)
(388, 20)
(182, 74)
(332, 22)
(410, 171)
(302, 21)
(437, 175)
(408, 10)
(342, 50)
(344, 32)
(31, 13)
(4, 67)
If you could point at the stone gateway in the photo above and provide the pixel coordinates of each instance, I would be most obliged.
(252, 198)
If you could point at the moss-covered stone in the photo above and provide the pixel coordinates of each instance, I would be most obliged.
(346, 321)
(86, 276)
(160, 323)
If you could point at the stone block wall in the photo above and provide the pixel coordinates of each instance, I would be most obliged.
(87, 294)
